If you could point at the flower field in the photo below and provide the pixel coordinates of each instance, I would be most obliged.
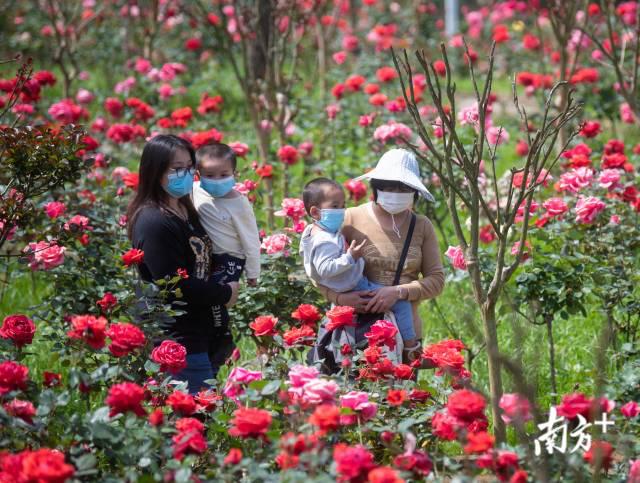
(526, 127)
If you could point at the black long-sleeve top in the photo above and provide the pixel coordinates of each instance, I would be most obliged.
(170, 243)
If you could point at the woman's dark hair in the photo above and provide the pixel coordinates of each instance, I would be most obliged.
(381, 184)
(154, 163)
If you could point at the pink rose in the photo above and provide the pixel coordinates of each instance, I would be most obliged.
(238, 376)
(626, 114)
(317, 391)
(497, 135)
(83, 96)
(609, 179)
(634, 472)
(292, 208)
(239, 148)
(630, 410)
(299, 375)
(392, 131)
(275, 243)
(456, 257)
(555, 206)
(588, 208)
(515, 407)
(44, 255)
(358, 402)
(54, 209)
(575, 179)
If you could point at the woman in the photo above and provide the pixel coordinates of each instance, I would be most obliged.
(383, 224)
(163, 223)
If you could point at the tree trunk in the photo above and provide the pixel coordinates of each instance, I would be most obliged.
(488, 312)
(552, 358)
(564, 97)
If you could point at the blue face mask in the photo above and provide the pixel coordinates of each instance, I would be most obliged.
(178, 185)
(217, 187)
(331, 219)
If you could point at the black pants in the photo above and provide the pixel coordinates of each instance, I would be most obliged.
(226, 268)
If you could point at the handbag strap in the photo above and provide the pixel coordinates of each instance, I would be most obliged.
(405, 250)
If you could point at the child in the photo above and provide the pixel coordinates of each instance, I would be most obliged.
(327, 262)
(226, 215)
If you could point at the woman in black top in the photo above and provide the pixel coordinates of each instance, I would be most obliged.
(163, 223)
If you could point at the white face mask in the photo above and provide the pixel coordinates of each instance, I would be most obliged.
(394, 203)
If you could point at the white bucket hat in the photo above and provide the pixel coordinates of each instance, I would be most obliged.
(399, 165)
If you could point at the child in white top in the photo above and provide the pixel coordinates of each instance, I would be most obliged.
(226, 215)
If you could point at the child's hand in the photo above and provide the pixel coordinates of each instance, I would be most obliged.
(252, 282)
(356, 251)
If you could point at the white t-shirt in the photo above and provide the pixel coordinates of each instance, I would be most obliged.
(231, 225)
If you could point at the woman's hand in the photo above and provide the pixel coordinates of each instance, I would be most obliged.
(234, 294)
(358, 300)
(382, 300)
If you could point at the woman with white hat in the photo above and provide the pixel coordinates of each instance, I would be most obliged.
(384, 225)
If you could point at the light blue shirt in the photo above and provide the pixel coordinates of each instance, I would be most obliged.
(326, 261)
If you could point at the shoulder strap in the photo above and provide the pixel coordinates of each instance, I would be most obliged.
(405, 250)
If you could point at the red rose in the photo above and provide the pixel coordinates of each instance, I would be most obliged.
(386, 74)
(193, 425)
(132, 180)
(264, 171)
(234, 457)
(352, 462)
(478, 442)
(396, 397)
(193, 44)
(171, 356)
(590, 129)
(299, 335)
(264, 326)
(124, 397)
(445, 355)
(188, 442)
(419, 396)
(600, 452)
(113, 106)
(51, 379)
(45, 465)
(326, 417)
(440, 67)
(250, 423)
(340, 316)
(19, 328)
(574, 404)
(156, 418)
(132, 257)
(207, 400)
(384, 474)
(403, 371)
(288, 154)
(182, 403)
(107, 302)
(125, 338)
(307, 314)
(445, 426)
(382, 332)
(90, 329)
(466, 405)
(21, 409)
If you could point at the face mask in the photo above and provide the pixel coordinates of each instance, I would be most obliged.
(331, 219)
(217, 187)
(394, 203)
(179, 186)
